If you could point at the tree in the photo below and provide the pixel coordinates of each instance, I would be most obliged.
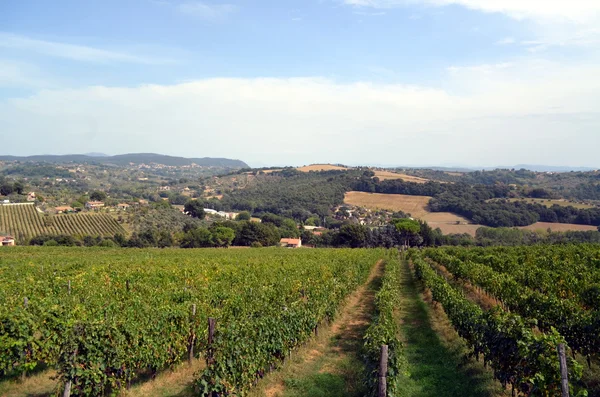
(266, 234)
(6, 189)
(408, 229)
(195, 209)
(98, 196)
(243, 216)
(353, 236)
(222, 236)
(18, 187)
(197, 238)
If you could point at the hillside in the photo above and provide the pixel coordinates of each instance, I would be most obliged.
(126, 159)
(23, 222)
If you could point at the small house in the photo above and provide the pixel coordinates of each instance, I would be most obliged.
(63, 209)
(123, 206)
(291, 242)
(31, 196)
(6, 241)
(94, 205)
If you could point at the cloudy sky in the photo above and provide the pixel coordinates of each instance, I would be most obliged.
(394, 82)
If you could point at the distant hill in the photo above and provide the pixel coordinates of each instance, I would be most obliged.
(530, 167)
(125, 159)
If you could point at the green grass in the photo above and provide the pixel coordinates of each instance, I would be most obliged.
(435, 362)
(344, 381)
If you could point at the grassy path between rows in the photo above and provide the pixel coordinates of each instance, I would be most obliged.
(435, 355)
(330, 365)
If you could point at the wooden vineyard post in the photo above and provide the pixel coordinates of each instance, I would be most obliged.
(211, 333)
(69, 287)
(24, 352)
(564, 373)
(192, 338)
(67, 392)
(383, 369)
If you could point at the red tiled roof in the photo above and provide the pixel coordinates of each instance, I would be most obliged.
(294, 241)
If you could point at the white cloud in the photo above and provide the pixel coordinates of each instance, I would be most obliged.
(71, 51)
(573, 10)
(554, 23)
(206, 11)
(23, 75)
(506, 41)
(528, 111)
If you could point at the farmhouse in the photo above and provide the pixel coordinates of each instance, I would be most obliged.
(6, 241)
(93, 205)
(63, 209)
(123, 206)
(291, 242)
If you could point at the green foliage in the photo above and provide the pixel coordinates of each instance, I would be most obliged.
(519, 356)
(407, 226)
(266, 234)
(550, 294)
(195, 209)
(197, 238)
(222, 236)
(243, 216)
(97, 196)
(130, 311)
(384, 330)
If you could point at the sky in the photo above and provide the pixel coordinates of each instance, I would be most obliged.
(292, 82)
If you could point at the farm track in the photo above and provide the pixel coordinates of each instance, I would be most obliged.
(330, 364)
(436, 364)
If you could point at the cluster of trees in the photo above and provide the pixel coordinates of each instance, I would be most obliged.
(50, 240)
(291, 193)
(8, 187)
(510, 236)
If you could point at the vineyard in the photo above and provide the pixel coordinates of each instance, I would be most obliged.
(542, 296)
(23, 221)
(106, 318)
(101, 317)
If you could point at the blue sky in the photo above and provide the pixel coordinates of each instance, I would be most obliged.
(395, 82)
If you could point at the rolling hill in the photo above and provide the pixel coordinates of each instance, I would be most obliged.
(126, 159)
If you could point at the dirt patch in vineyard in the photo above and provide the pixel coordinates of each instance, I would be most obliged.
(178, 382)
(39, 385)
(330, 364)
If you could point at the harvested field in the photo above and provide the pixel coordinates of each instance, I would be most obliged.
(450, 223)
(448, 228)
(550, 203)
(414, 205)
(445, 217)
(558, 227)
(321, 167)
(385, 175)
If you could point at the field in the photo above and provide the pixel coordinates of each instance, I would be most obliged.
(414, 205)
(321, 167)
(549, 285)
(24, 221)
(385, 175)
(550, 203)
(558, 227)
